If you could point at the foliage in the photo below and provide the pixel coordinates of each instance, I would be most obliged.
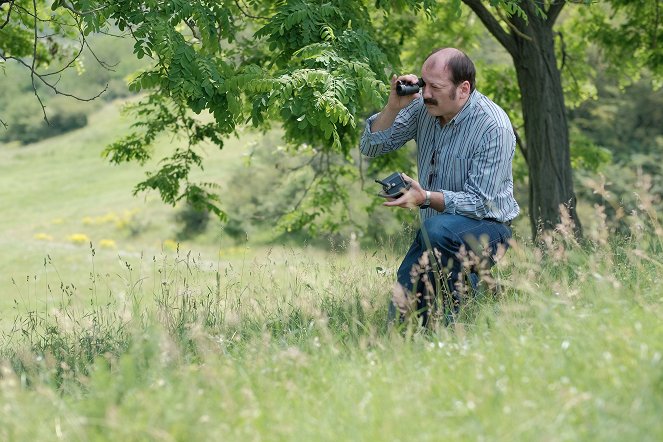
(625, 121)
(586, 155)
(320, 74)
(629, 34)
(191, 221)
(19, 23)
(317, 69)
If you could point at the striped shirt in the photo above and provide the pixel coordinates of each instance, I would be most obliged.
(468, 159)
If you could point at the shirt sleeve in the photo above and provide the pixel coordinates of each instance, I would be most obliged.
(490, 168)
(404, 129)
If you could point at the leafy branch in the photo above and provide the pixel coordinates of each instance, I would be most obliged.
(41, 55)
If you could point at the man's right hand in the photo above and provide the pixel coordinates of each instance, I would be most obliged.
(395, 103)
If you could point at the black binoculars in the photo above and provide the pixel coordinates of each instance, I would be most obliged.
(409, 88)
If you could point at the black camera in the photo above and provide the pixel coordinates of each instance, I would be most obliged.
(403, 88)
(393, 186)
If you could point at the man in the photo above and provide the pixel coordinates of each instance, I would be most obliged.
(465, 146)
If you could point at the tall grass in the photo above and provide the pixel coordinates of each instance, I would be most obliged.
(287, 347)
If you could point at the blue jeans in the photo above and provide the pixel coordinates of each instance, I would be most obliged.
(451, 238)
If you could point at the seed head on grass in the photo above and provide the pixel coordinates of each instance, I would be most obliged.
(406, 305)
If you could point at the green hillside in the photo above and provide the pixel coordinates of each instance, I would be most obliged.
(59, 194)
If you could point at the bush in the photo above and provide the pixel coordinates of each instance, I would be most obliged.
(191, 221)
(27, 124)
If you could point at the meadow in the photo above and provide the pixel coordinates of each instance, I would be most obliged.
(111, 330)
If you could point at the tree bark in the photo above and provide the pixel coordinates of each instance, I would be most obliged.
(546, 128)
(531, 44)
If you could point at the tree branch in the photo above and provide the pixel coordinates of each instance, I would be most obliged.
(84, 44)
(32, 67)
(492, 25)
(513, 27)
(34, 75)
(33, 14)
(316, 177)
(192, 27)
(49, 21)
(246, 14)
(68, 65)
(9, 12)
(301, 166)
(50, 85)
(563, 49)
(657, 18)
(82, 13)
(110, 34)
(103, 64)
(553, 11)
(565, 57)
(520, 143)
(131, 31)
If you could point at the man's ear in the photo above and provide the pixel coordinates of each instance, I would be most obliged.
(465, 89)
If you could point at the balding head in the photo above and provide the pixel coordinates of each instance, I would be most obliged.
(455, 62)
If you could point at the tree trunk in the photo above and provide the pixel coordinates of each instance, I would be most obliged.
(546, 129)
(531, 44)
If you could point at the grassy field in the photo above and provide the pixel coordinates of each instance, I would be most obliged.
(141, 340)
(60, 195)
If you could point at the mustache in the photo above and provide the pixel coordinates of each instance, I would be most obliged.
(432, 101)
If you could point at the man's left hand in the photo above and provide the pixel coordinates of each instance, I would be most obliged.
(411, 199)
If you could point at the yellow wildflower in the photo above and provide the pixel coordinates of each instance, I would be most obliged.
(107, 244)
(79, 238)
(169, 244)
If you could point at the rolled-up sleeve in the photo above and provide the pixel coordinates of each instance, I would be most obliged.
(404, 129)
(489, 179)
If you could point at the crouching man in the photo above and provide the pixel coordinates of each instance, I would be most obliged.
(465, 147)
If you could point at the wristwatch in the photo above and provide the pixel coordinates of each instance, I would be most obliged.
(426, 203)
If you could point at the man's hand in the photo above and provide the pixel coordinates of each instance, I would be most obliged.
(395, 103)
(412, 198)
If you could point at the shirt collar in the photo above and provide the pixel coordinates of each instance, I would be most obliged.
(466, 109)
